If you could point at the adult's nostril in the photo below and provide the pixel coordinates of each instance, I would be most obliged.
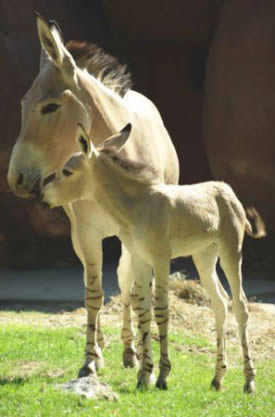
(20, 179)
(36, 188)
(48, 179)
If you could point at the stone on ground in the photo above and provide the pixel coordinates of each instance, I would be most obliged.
(90, 388)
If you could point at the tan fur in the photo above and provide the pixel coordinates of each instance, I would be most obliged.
(46, 143)
(157, 222)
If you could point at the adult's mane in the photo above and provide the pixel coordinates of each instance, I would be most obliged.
(104, 67)
(132, 170)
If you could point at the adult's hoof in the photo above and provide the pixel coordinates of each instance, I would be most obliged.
(85, 371)
(141, 386)
(91, 367)
(161, 384)
(143, 381)
(216, 385)
(249, 387)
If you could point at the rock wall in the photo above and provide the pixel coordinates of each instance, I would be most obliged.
(208, 66)
(167, 47)
(239, 123)
(160, 42)
(22, 223)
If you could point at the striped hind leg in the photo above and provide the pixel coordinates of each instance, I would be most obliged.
(161, 271)
(141, 298)
(125, 278)
(205, 262)
(231, 261)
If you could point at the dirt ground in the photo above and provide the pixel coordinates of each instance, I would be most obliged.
(189, 310)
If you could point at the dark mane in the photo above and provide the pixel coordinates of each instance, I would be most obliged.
(101, 65)
(136, 171)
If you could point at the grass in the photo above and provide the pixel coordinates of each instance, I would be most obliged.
(34, 359)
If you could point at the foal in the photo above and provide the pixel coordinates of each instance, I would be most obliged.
(158, 222)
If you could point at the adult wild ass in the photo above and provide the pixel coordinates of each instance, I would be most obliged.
(157, 222)
(80, 83)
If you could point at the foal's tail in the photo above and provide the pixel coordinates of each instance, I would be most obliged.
(255, 226)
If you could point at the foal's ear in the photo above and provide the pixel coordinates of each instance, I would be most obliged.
(83, 139)
(52, 45)
(118, 140)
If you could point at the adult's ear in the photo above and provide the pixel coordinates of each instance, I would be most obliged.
(84, 141)
(52, 46)
(118, 140)
(54, 25)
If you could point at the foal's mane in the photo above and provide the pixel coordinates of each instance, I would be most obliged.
(104, 67)
(133, 170)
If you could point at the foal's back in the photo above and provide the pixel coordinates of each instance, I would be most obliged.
(197, 215)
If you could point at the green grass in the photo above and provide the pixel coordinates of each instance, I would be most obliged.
(34, 359)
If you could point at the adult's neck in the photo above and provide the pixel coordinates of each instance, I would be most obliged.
(106, 109)
(121, 196)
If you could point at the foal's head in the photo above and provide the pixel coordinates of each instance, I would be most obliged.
(75, 180)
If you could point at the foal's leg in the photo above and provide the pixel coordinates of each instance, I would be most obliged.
(161, 271)
(125, 279)
(231, 261)
(141, 297)
(206, 265)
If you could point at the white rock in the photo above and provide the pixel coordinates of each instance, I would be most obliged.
(89, 387)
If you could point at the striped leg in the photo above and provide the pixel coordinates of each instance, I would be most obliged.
(231, 261)
(141, 296)
(88, 247)
(161, 270)
(99, 335)
(206, 265)
(93, 303)
(125, 279)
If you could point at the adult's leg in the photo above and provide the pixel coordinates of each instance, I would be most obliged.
(87, 233)
(125, 280)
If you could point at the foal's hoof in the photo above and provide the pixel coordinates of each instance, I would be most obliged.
(161, 384)
(129, 358)
(249, 387)
(216, 385)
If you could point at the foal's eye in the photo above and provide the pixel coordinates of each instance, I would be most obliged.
(50, 108)
(66, 172)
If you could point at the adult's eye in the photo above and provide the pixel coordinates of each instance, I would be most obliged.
(66, 172)
(50, 108)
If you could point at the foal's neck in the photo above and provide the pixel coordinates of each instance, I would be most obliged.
(122, 196)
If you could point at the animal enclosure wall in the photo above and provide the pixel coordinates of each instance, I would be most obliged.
(200, 62)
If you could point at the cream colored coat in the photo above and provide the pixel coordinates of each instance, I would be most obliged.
(157, 222)
(62, 95)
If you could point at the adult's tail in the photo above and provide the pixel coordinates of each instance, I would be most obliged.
(254, 225)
